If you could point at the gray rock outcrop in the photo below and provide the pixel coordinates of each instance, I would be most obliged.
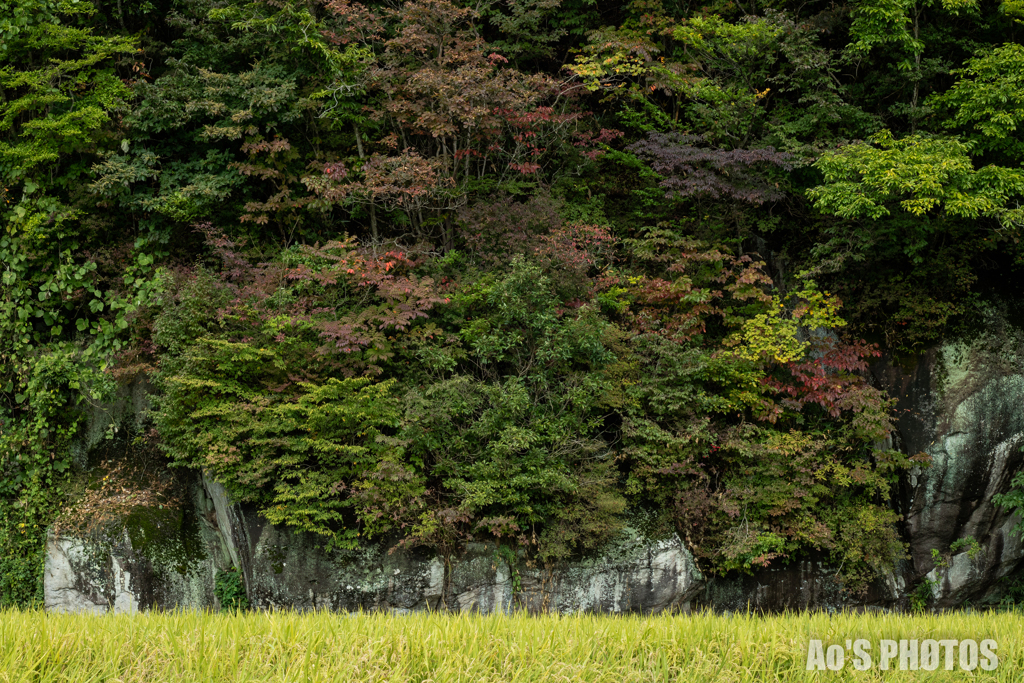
(962, 404)
(118, 573)
(284, 568)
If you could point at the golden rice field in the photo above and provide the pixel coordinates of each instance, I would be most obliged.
(296, 648)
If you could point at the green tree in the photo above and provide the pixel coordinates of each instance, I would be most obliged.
(930, 178)
(987, 101)
(509, 425)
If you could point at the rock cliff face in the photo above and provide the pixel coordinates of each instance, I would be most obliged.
(283, 568)
(809, 584)
(159, 559)
(961, 403)
(631, 575)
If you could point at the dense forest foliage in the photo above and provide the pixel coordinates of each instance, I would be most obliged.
(511, 270)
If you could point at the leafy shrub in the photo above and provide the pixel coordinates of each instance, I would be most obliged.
(229, 589)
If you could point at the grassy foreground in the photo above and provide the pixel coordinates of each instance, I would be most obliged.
(289, 647)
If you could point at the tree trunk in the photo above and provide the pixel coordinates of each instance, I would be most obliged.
(373, 209)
